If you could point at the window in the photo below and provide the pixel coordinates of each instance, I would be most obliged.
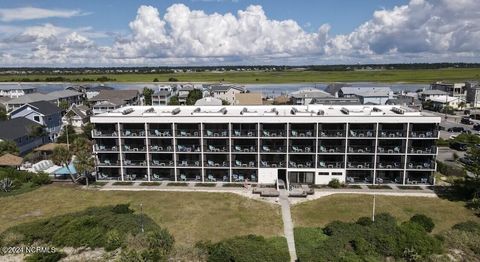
(323, 173)
(36, 118)
(337, 173)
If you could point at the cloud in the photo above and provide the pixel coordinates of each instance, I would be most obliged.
(31, 13)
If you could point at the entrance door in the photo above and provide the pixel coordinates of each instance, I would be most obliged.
(282, 176)
(301, 177)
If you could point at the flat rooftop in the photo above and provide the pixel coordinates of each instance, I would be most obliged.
(265, 111)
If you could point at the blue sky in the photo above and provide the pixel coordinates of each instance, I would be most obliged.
(73, 33)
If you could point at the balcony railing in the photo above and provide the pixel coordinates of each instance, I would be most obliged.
(392, 133)
(156, 148)
(361, 133)
(359, 165)
(330, 149)
(273, 133)
(133, 132)
(104, 133)
(245, 133)
(108, 162)
(423, 134)
(390, 149)
(390, 165)
(301, 133)
(332, 133)
(132, 148)
(212, 163)
(300, 149)
(301, 164)
(272, 149)
(160, 132)
(105, 148)
(239, 163)
(272, 164)
(127, 162)
(421, 165)
(423, 150)
(188, 148)
(216, 133)
(360, 149)
(211, 148)
(238, 148)
(187, 133)
(323, 164)
(188, 163)
(166, 163)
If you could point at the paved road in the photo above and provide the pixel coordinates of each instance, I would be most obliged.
(288, 224)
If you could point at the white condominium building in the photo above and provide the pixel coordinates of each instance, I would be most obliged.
(297, 144)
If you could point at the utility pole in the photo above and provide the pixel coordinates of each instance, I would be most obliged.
(373, 208)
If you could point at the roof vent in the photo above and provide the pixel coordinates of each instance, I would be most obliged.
(176, 111)
(127, 111)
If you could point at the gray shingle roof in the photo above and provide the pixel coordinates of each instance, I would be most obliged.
(29, 98)
(46, 108)
(367, 91)
(434, 92)
(221, 88)
(309, 93)
(16, 128)
(15, 87)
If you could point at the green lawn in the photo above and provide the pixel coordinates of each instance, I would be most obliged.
(349, 208)
(411, 76)
(190, 217)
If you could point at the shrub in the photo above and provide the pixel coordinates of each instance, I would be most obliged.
(177, 184)
(122, 183)
(205, 184)
(122, 209)
(424, 221)
(150, 183)
(113, 240)
(233, 185)
(334, 183)
(45, 257)
(364, 221)
(41, 179)
(468, 226)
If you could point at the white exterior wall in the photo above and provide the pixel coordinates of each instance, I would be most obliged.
(267, 175)
(228, 96)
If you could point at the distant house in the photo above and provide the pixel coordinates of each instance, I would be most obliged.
(405, 100)
(77, 116)
(109, 100)
(71, 97)
(473, 93)
(248, 99)
(14, 91)
(44, 113)
(161, 97)
(432, 93)
(368, 95)
(440, 102)
(453, 89)
(24, 132)
(226, 92)
(208, 101)
(307, 95)
(336, 101)
(183, 92)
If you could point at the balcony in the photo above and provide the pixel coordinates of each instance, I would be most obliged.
(188, 133)
(390, 165)
(360, 149)
(267, 149)
(359, 165)
(323, 164)
(361, 133)
(212, 163)
(301, 133)
(157, 148)
(273, 133)
(332, 133)
(134, 148)
(425, 165)
(300, 164)
(423, 150)
(127, 162)
(389, 150)
(188, 163)
(188, 148)
(211, 148)
(272, 164)
(161, 163)
(133, 132)
(160, 133)
(330, 149)
(300, 149)
(244, 133)
(102, 148)
(216, 133)
(108, 162)
(239, 163)
(391, 133)
(424, 134)
(239, 148)
(103, 133)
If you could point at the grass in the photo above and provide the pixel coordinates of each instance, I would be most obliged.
(409, 187)
(205, 184)
(233, 185)
(411, 76)
(26, 187)
(189, 216)
(379, 187)
(177, 184)
(349, 208)
(99, 183)
(122, 183)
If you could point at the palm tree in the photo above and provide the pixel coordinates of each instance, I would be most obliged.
(61, 155)
(84, 162)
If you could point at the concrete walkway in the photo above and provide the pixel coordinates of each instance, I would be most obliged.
(288, 224)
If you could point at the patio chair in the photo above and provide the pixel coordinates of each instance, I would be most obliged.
(224, 133)
(169, 148)
(296, 149)
(350, 179)
(265, 133)
(225, 179)
(157, 133)
(236, 133)
(322, 164)
(353, 133)
(240, 178)
(156, 162)
(250, 133)
(369, 133)
(210, 163)
(211, 178)
(323, 149)
(156, 177)
(253, 178)
(183, 177)
(209, 133)
(238, 148)
(127, 132)
(410, 165)
(308, 133)
(238, 163)
(170, 163)
(294, 133)
(293, 164)
(106, 162)
(396, 149)
(308, 149)
(423, 180)
(266, 148)
(198, 178)
(251, 164)
(381, 150)
(235, 177)
(264, 163)
(308, 164)
(197, 163)
(379, 180)
(183, 133)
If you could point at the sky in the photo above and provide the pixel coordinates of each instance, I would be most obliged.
(237, 32)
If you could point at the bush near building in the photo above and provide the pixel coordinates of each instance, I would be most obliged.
(15, 181)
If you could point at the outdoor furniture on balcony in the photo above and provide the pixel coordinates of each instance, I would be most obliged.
(391, 133)
(251, 164)
(210, 178)
(379, 180)
(302, 133)
(350, 179)
(213, 149)
(238, 163)
(361, 133)
(423, 134)
(210, 163)
(296, 149)
(265, 149)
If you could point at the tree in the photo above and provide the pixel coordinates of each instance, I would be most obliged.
(193, 96)
(84, 162)
(63, 105)
(3, 114)
(173, 101)
(147, 95)
(225, 102)
(61, 156)
(155, 80)
(172, 79)
(8, 147)
(67, 132)
(462, 105)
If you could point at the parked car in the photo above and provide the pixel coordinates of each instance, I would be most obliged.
(458, 146)
(465, 160)
(456, 129)
(466, 121)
